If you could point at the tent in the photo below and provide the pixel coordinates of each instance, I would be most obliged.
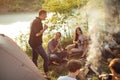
(14, 63)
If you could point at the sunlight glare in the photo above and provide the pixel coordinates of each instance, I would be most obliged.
(15, 29)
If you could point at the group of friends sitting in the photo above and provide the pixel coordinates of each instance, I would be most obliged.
(109, 47)
(57, 54)
(110, 50)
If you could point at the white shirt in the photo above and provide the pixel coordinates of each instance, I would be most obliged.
(66, 78)
(81, 38)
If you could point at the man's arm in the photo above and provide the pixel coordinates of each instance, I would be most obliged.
(56, 47)
(75, 42)
(41, 31)
(108, 49)
(52, 48)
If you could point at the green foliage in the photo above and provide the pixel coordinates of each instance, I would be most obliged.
(66, 41)
(22, 41)
(58, 23)
(37, 4)
(63, 11)
(62, 6)
(17, 5)
(20, 5)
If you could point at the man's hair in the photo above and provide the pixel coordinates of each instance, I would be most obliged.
(115, 65)
(42, 11)
(73, 65)
(58, 33)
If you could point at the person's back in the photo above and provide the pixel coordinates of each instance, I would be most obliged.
(66, 78)
(115, 68)
(73, 67)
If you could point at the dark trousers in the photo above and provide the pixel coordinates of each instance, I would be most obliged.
(106, 54)
(58, 56)
(40, 51)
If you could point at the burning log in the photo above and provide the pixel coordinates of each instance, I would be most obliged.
(89, 66)
(85, 70)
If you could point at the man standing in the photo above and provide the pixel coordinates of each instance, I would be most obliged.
(35, 39)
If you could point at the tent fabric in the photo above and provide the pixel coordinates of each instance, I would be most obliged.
(14, 63)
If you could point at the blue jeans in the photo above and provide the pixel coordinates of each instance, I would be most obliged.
(41, 51)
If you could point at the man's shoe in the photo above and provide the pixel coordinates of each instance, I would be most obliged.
(47, 76)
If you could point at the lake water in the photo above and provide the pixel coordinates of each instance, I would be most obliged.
(14, 24)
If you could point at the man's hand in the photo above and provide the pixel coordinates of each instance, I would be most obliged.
(41, 31)
(45, 27)
(58, 44)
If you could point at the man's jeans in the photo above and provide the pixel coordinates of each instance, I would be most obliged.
(41, 51)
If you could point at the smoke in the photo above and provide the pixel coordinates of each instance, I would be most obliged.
(100, 20)
(96, 25)
(112, 17)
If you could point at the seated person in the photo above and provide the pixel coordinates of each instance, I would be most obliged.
(73, 67)
(79, 42)
(115, 70)
(55, 52)
(110, 48)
